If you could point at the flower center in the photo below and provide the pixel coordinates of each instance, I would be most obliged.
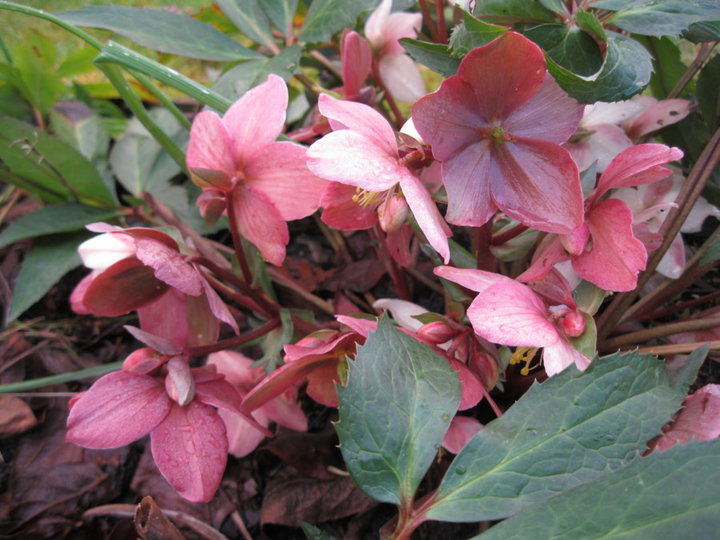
(524, 355)
(499, 135)
(365, 198)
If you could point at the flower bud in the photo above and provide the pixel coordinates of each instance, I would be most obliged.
(179, 383)
(573, 323)
(144, 360)
(437, 332)
(393, 212)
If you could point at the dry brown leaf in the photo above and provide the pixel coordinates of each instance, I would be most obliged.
(16, 416)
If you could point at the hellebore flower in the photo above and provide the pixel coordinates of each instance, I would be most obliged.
(143, 269)
(398, 72)
(362, 152)
(262, 183)
(187, 436)
(508, 312)
(356, 60)
(498, 138)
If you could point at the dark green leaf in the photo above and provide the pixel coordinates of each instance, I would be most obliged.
(625, 71)
(671, 494)
(313, 533)
(473, 33)
(703, 31)
(281, 13)
(59, 218)
(250, 19)
(659, 17)
(668, 67)
(435, 56)
(513, 11)
(569, 430)
(13, 104)
(162, 30)
(591, 24)
(394, 411)
(78, 125)
(556, 6)
(41, 85)
(50, 259)
(570, 47)
(327, 17)
(683, 378)
(708, 93)
(48, 167)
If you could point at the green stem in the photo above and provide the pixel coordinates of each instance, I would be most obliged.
(166, 101)
(60, 378)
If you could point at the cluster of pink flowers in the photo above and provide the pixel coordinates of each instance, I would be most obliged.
(497, 146)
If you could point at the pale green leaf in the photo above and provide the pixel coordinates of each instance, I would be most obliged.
(250, 19)
(281, 13)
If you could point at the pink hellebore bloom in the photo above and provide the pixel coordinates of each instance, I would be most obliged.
(187, 436)
(398, 72)
(362, 152)
(143, 269)
(604, 249)
(699, 419)
(356, 61)
(507, 312)
(243, 436)
(261, 182)
(498, 138)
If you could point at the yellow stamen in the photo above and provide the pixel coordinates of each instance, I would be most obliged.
(365, 198)
(524, 355)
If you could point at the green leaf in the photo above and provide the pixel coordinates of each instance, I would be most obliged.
(12, 104)
(281, 13)
(667, 63)
(659, 17)
(591, 24)
(683, 378)
(513, 11)
(569, 430)
(162, 30)
(703, 31)
(435, 56)
(313, 533)
(671, 494)
(48, 167)
(78, 125)
(327, 17)
(555, 6)
(570, 47)
(59, 218)
(41, 85)
(250, 19)
(138, 161)
(50, 259)
(473, 33)
(394, 411)
(625, 71)
(708, 93)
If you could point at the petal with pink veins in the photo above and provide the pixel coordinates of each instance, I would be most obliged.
(190, 449)
(169, 265)
(257, 118)
(119, 408)
(547, 255)
(211, 145)
(356, 58)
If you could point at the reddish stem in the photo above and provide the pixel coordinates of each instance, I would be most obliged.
(396, 273)
(440, 13)
(202, 350)
(237, 242)
(503, 237)
(429, 20)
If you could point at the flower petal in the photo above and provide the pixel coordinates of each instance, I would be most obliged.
(257, 118)
(211, 145)
(475, 280)
(461, 430)
(401, 77)
(169, 265)
(356, 58)
(119, 408)
(341, 212)
(561, 355)
(699, 419)
(190, 449)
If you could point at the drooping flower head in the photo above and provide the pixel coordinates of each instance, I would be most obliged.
(496, 126)
(241, 167)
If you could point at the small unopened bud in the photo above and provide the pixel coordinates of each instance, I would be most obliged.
(393, 213)
(144, 360)
(179, 383)
(573, 323)
(437, 332)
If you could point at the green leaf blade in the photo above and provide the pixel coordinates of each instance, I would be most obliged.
(659, 17)
(571, 429)
(327, 17)
(394, 412)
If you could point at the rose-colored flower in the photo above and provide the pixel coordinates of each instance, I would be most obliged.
(497, 126)
(239, 164)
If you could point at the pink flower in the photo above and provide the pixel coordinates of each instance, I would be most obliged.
(356, 60)
(263, 183)
(362, 152)
(496, 126)
(699, 419)
(143, 269)
(507, 312)
(398, 71)
(177, 409)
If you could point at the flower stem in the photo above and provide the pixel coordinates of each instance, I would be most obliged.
(202, 350)
(656, 332)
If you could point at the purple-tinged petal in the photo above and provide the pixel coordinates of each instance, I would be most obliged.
(219, 393)
(448, 118)
(547, 255)
(639, 164)
(279, 171)
(166, 318)
(218, 308)
(615, 256)
(77, 303)
(356, 59)
(426, 214)
(401, 76)
(190, 449)
(467, 177)
(361, 119)
(551, 106)
(321, 384)
(562, 354)
(351, 158)
(461, 430)
(260, 222)
(538, 185)
(286, 412)
(400, 246)
(257, 118)
(504, 74)
(169, 265)
(242, 436)
(211, 145)
(118, 409)
(475, 280)
(510, 313)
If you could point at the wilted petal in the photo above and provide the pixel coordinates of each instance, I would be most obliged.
(279, 171)
(118, 409)
(260, 222)
(401, 76)
(211, 145)
(190, 449)
(426, 213)
(615, 256)
(538, 185)
(257, 118)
